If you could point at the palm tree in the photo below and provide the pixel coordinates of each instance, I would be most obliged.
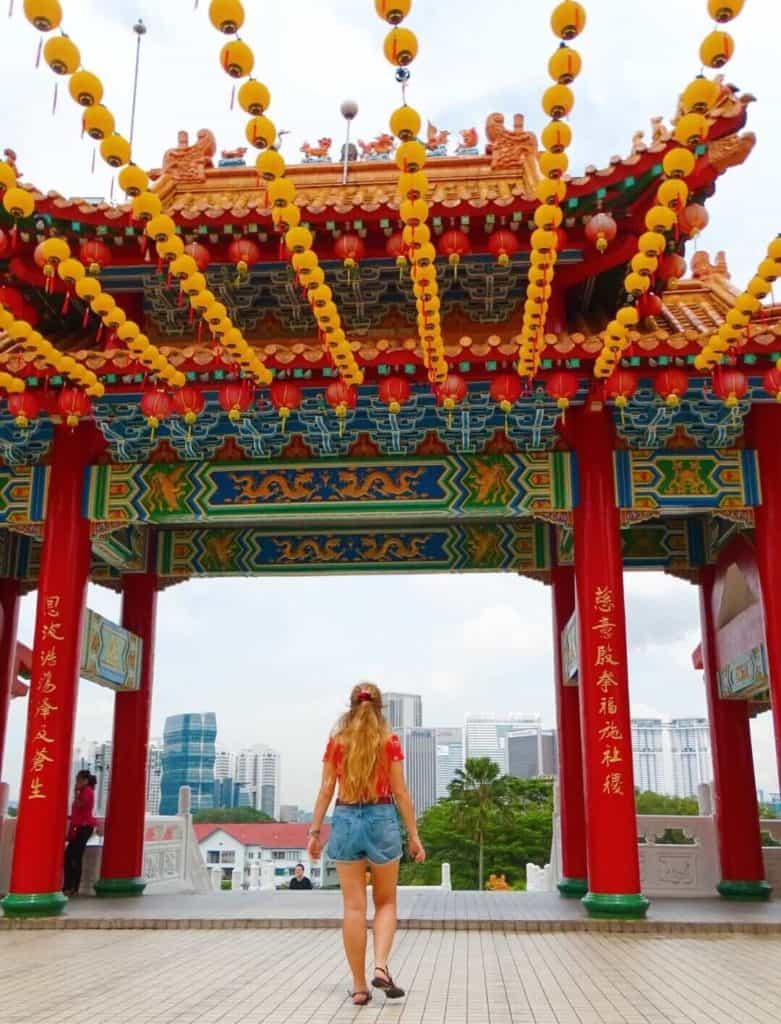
(476, 791)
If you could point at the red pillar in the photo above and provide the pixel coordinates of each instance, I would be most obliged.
(571, 805)
(36, 876)
(764, 426)
(121, 872)
(9, 615)
(735, 788)
(613, 866)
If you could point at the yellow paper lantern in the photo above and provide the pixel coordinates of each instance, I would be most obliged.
(88, 288)
(194, 284)
(568, 20)
(401, 47)
(393, 11)
(18, 202)
(724, 10)
(652, 243)
(660, 218)
(226, 15)
(85, 88)
(45, 15)
(553, 165)
(62, 55)
(147, 206)
(558, 101)
(556, 136)
(691, 129)
(253, 97)
(237, 59)
(636, 284)
(299, 240)
(699, 95)
(102, 304)
(565, 65)
(642, 264)
(679, 162)
(550, 190)
(8, 175)
(673, 193)
(133, 180)
(115, 150)
(411, 156)
(260, 132)
(270, 165)
(716, 49)
(405, 123)
(160, 227)
(628, 316)
(414, 212)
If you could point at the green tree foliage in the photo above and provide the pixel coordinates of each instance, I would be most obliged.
(230, 816)
(647, 802)
(488, 825)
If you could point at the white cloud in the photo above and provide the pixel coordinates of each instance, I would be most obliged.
(502, 629)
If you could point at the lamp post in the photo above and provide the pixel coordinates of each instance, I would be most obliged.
(140, 30)
(349, 111)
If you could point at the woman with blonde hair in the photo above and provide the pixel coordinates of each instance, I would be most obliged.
(363, 758)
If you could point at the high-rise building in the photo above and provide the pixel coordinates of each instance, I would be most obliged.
(532, 753)
(95, 757)
(671, 756)
(224, 765)
(648, 754)
(154, 775)
(691, 757)
(258, 772)
(420, 756)
(188, 760)
(450, 757)
(403, 710)
(486, 735)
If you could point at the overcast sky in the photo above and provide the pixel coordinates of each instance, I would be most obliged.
(274, 658)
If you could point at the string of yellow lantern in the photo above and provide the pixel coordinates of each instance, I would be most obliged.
(567, 21)
(691, 129)
(63, 57)
(238, 61)
(400, 48)
(18, 203)
(745, 306)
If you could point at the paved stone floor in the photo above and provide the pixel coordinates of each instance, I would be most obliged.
(298, 977)
(417, 909)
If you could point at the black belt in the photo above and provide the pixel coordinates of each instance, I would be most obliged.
(368, 803)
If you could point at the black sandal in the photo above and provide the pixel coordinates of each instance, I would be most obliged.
(389, 986)
(360, 992)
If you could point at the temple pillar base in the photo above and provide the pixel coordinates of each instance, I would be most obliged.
(617, 905)
(750, 892)
(36, 904)
(120, 887)
(574, 888)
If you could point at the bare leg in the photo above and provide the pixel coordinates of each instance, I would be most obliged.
(352, 878)
(385, 879)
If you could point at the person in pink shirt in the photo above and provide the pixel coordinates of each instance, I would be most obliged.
(81, 825)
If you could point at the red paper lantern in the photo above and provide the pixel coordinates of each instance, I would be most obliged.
(200, 254)
(394, 392)
(350, 249)
(693, 219)
(13, 300)
(451, 392)
(730, 386)
(395, 246)
(156, 407)
(95, 255)
(562, 386)
(24, 407)
(672, 385)
(189, 403)
(601, 230)
(244, 253)
(671, 267)
(341, 397)
(649, 304)
(621, 386)
(771, 382)
(505, 391)
(286, 397)
(74, 405)
(454, 244)
(235, 397)
(504, 245)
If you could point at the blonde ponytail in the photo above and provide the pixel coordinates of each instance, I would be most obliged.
(362, 733)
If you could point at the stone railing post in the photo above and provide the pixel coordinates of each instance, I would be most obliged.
(705, 800)
(447, 885)
(235, 879)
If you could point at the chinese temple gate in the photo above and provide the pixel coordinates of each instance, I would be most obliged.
(338, 403)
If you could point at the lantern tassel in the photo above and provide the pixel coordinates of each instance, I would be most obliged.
(233, 97)
(85, 318)
(39, 51)
(92, 164)
(66, 304)
(54, 99)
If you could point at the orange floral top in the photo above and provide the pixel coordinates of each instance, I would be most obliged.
(334, 754)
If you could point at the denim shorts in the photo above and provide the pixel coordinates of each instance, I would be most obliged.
(365, 832)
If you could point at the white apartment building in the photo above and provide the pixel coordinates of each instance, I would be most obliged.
(485, 735)
(94, 757)
(450, 757)
(275, 849)
(224, 765)
(258, 771)
(671, 756)
(403, 710)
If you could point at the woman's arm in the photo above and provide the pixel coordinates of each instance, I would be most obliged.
(323, 802)
(406, 809)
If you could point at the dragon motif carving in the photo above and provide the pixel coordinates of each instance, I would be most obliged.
(395, 549)
(166, 488)
(309, 550)
(378, 484)
(219, 551)
(252, 488)
(508, 148)
(730, 151)
(188, 163)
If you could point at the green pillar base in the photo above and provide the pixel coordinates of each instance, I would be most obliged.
(616, 905)
(120, 887)
(36, 904)
(749, 891)
(573, 887)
